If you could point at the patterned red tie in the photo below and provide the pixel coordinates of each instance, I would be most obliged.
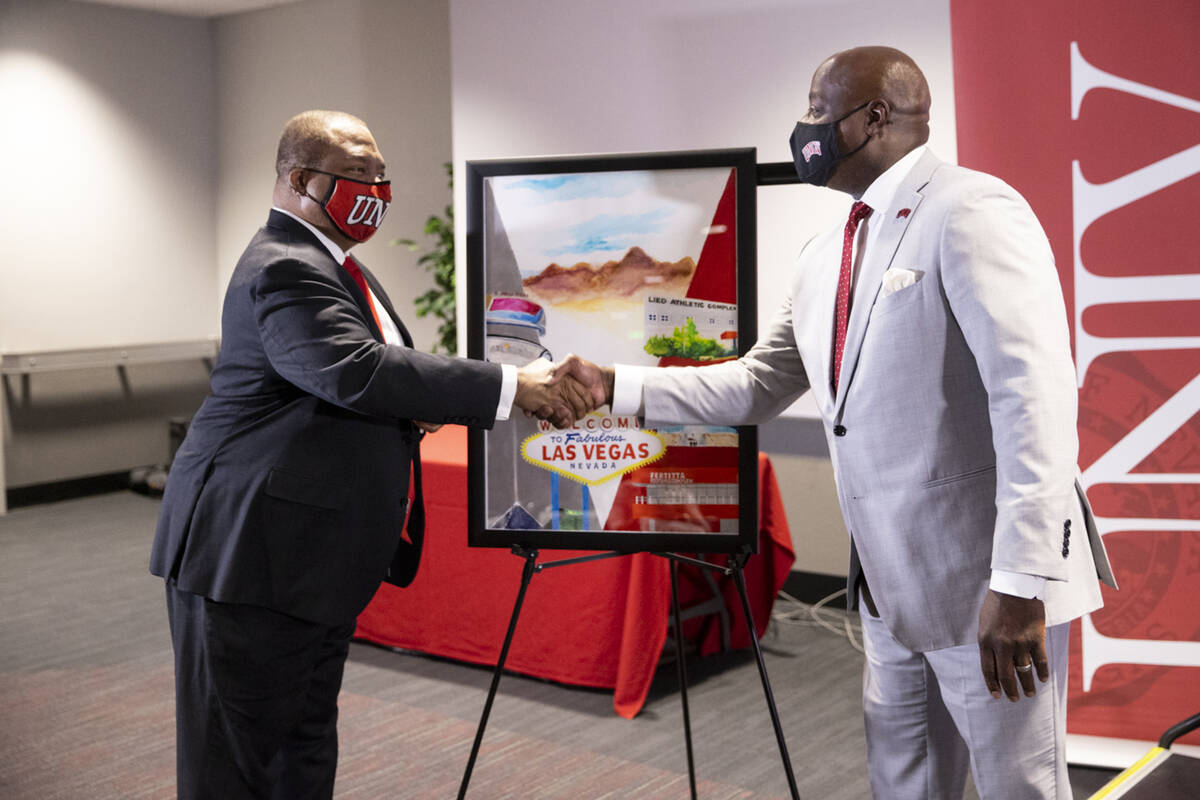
(355, 272)
(408, 553)
(858, 212)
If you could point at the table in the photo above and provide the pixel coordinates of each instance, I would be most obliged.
(600, 624)
(28, 364)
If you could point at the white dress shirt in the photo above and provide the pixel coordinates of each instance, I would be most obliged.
(629, 380)
(391, 334)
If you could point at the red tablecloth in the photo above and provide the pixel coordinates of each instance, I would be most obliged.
(600, 624)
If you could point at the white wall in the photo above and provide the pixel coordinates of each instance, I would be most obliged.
(126, 220)
(141, 153)
(109, 176)
(141, 149)
(107, 217)
(387, 62)
(555, 77)
(122, 224)
(549, 77)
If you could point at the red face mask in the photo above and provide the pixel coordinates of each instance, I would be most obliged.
(355, 208)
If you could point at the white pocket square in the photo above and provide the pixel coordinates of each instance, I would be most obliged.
(896, 279)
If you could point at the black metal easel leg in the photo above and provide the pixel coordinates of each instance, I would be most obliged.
(682, 664)
(740, 580)
(526, 575)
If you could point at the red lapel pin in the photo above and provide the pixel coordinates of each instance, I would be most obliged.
(904, 212)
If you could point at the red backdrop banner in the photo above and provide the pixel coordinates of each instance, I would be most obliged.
(1092, 111)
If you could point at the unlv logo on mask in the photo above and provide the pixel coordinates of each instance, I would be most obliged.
(811, 149)
(367, 210)
(356, 208)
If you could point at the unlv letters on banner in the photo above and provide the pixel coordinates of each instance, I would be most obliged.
(1092, 111)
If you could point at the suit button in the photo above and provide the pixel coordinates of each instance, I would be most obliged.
(839, 430)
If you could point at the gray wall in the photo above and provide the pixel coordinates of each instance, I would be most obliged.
(387, 62)
(108, 212)
(141, 149)
(159, 133)
(800, 457)
(109, 201)
(571, 76)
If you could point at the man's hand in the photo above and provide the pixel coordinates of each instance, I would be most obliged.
(1012, 644)
(428, 427)
(545, 393)
(598, 380)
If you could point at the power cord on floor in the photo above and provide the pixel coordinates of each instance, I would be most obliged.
(796, 615)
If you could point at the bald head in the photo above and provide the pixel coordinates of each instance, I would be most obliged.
(879, 100)
(308, 137)
(316, 146)
(883, 73)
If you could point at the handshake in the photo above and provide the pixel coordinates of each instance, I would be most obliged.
(564, 392)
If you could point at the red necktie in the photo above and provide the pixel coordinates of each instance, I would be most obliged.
(408, 553)
(356, 273)
(858, 212)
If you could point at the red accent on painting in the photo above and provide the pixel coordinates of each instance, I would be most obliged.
(715, 278)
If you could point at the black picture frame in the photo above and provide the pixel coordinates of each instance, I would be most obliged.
(743, 163)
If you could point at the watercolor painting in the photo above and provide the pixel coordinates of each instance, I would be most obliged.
(632, 266)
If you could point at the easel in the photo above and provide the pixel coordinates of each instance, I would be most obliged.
(734, 568)
(767, 174)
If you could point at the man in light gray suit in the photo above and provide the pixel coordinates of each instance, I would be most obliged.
(932, 332)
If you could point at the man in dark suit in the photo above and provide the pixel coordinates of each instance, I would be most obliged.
(285, 503)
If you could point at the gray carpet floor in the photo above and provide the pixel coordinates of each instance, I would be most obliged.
(86, 704)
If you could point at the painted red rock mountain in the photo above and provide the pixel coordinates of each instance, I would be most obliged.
(634, 274)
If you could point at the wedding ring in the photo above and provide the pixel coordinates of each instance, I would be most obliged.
(1025, 668)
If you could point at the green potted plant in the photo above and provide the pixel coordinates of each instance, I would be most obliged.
(439, 260)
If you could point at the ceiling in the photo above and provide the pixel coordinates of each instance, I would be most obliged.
(193, 8)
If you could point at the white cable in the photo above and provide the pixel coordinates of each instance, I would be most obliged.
(812, 611)
(850, 634)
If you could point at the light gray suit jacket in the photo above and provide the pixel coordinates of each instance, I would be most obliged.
(952, 431)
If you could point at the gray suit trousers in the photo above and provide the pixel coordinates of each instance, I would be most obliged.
(929, 716)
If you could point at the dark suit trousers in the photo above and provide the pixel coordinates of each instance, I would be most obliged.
(255, 700)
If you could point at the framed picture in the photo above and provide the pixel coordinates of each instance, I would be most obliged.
(642, 259)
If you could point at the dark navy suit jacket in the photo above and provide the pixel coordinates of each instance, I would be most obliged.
(290, 489)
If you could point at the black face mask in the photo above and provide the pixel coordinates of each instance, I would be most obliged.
(815, 151)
